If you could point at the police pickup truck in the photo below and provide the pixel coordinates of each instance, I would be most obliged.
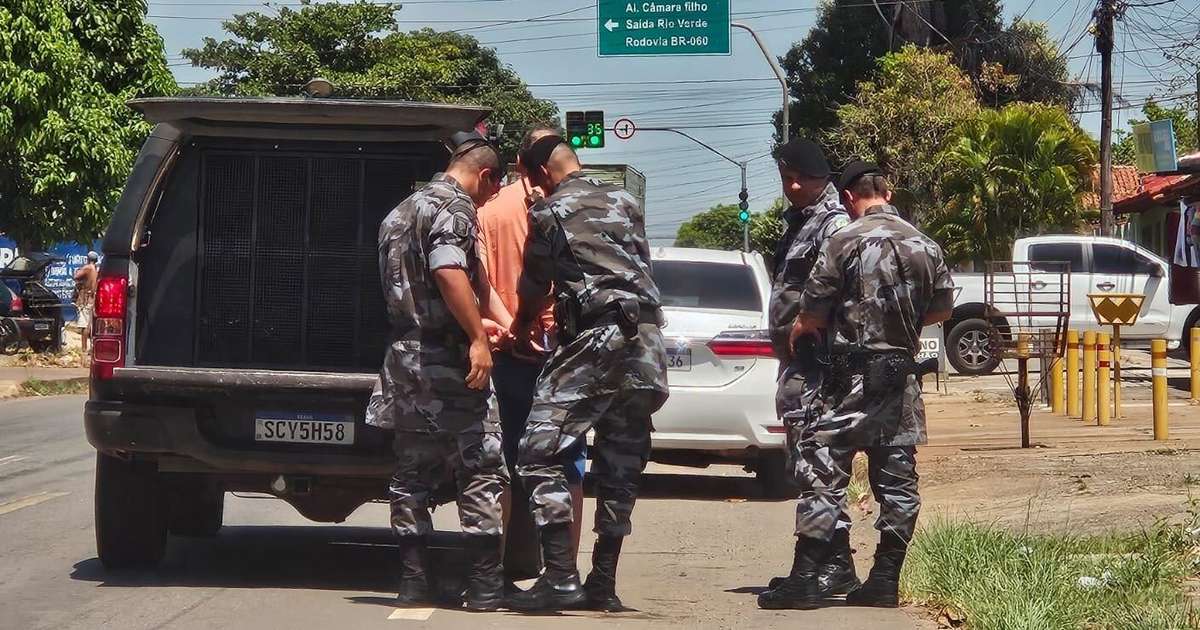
(239, 318)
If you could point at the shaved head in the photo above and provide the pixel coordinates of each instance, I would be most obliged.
(476, 156)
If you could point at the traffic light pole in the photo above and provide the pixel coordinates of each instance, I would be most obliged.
(742, 196)
(778, 75)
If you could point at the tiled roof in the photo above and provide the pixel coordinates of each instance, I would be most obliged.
(1126, 184)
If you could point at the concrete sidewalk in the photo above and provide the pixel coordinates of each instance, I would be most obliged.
(11, 378)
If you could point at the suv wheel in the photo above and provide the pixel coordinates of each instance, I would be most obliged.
(970, 348)
(195, 507)
(772, 475)
(131, 524)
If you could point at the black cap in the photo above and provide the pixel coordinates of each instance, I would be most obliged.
(854, 171)
(805, 157)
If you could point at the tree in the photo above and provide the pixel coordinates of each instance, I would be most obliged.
(1005, 64)
(361, 50)
(719, 228)
(1012, 172)
(904, 120)
(1183, 119)
(67, 139)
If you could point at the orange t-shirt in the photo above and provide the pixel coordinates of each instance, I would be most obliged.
(503, 232)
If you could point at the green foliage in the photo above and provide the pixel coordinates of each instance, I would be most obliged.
(1004, 63)
(903, 120)
(1184, 119)
(719, 228)
(67, 139)
(361, 50)
(1015, 171)
(1000, 580)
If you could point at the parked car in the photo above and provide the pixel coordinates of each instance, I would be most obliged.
(30, 314)
(1098, 265)
(240, 294)
(721, 370)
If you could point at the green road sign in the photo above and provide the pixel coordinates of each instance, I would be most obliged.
(638, 27)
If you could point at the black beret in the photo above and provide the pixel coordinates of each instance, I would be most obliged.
(854, 171)
(804, 157)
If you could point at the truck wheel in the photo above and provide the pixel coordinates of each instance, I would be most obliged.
(772, 475)
(970, 349)
(131, 524)
(195, 507)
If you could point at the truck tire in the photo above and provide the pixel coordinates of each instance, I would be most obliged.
(195, 507)
(969, 347)
(131, 524)
(771, 473)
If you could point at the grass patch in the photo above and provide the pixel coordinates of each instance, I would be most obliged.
(859, 489)
(69, 387)
(69, 357)
(1000, 580)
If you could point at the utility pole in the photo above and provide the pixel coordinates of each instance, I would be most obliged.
(1105, 14)
(1198, 110)
(742, 196)
(778, 75)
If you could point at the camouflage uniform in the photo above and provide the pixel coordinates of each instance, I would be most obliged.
(799, 378)
(442, 427)
(600, 379)
(873, 284)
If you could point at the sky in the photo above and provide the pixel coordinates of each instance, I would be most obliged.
(725, 101)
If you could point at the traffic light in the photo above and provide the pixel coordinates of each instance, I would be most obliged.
(744, 206)
(585, 130)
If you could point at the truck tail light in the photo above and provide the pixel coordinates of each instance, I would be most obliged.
(108, 326)
(742, 343)
(17, 305)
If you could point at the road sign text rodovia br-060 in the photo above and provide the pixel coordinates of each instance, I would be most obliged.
(640, 27)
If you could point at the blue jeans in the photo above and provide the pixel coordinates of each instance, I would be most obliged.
(514, 381)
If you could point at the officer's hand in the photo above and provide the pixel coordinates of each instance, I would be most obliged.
(525, 341)
(480, 355)
(798, 330)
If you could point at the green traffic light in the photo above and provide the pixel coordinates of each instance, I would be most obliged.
(744, 216)
(576, 141)
(594, 140)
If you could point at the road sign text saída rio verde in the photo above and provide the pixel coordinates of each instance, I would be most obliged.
(693, 27)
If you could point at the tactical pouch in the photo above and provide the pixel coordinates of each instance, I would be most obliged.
(885, 373)
(629, 314)
(567, 312)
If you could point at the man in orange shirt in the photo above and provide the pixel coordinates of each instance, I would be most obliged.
(503, 231)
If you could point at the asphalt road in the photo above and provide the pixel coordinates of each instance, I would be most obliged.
(699, 553)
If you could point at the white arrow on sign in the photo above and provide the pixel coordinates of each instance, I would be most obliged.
(610, 25)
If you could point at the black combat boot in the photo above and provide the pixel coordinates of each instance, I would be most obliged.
(882, 588)
(485, 592)
(836, 576)
(601, 585)
(414, 572)
(799, 590)
(559, 587)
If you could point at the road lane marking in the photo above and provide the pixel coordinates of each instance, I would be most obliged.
(29, 501)
(11, 459)
(411, 614)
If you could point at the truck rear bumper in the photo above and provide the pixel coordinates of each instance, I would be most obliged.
(119, 427)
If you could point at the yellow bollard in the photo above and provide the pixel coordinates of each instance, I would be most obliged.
(1116, 371)
(1058, 405)
(1089, 376)
(1195, 359)
(1158, 368)
(1073, 373)
(1103, 380)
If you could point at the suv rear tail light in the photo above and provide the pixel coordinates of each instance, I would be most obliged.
(108, 326)
(742, 343)
(17, 305)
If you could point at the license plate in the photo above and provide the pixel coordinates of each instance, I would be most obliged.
(41, 326)
(679, 360)
(303, 428)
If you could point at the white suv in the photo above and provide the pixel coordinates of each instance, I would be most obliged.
(721, 369)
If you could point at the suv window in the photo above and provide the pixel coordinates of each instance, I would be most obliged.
(1113, 259)
(1056, 252)
(707, 285)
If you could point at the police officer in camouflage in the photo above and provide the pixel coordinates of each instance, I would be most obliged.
(588, 243)
(816, 212)
(876, 283)
(434, 387)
